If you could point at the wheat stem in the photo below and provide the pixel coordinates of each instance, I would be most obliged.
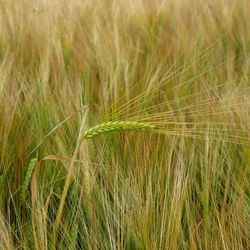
(67, 182)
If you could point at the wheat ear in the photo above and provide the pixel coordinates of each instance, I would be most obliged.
(2, 190)
(111, 126)
(27, 178)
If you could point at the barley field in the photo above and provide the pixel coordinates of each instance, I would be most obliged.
(124, 124)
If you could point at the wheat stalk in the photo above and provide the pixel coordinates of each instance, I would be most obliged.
(27, 178)
(112, 126)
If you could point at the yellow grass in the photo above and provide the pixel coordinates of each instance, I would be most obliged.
(178, 71)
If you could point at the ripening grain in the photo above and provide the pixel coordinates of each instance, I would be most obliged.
(139, 112)
(112, 126)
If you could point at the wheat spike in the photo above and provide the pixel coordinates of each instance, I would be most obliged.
(2, 190)
(27, 178)
(111, 126)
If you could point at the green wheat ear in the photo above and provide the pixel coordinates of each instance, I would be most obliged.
(2, 190)
(112, 126)
(27, 178)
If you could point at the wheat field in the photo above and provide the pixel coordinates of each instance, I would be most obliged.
(124, 124)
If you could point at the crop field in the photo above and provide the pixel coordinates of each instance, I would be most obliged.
(125, 124)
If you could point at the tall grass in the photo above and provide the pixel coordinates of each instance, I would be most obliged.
(166, 163)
